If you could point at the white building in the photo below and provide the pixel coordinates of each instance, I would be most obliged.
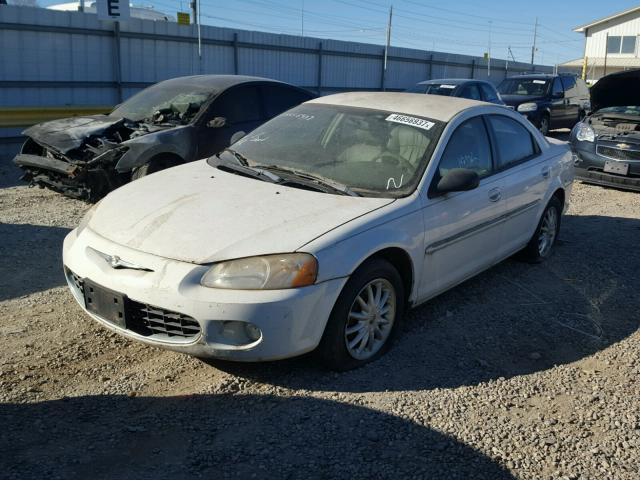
(137, 11)
(611, 44)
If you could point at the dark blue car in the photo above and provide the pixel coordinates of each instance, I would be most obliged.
(459, 87)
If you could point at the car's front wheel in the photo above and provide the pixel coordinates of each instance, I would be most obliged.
(544, 239)
(154, 165)
(544, 125)
(365, 318)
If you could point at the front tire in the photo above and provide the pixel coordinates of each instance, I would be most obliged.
(544, 125)
(365, 318)
(544, 239)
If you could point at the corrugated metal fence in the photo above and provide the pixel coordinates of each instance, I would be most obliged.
(54, 59)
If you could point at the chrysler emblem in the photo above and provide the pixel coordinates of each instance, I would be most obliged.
(115, 261)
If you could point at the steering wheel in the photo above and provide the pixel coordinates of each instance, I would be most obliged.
(394, 159)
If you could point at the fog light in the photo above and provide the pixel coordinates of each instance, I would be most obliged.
(252, 331)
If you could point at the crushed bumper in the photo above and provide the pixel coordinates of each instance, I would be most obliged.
(291, 322)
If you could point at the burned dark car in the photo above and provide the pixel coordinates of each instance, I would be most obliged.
(606, 144)
(169, 123)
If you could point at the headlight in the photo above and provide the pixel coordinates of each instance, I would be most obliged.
(527, 107)
(87, 218)
(270, 272)
(585, 133)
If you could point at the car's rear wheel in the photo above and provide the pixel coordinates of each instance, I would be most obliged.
(365, 318)
(544, 239)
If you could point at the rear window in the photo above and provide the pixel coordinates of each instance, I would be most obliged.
(445, 89)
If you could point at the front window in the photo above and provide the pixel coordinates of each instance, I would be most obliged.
(530, 87)
(172, 101)
(373, 153)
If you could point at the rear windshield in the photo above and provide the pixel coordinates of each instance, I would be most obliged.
(531, 87)
(445, 89)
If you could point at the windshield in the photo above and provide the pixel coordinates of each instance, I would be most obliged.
(628, 110)
(531, 87)
(371, 152)
(172, 102)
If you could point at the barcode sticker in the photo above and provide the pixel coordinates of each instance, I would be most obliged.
(412, 121)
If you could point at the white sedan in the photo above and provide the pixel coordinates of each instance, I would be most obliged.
(318, 230)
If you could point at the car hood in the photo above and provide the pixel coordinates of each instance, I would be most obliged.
(616, 90)
(199, 214)
(515, 100)
(67, 134)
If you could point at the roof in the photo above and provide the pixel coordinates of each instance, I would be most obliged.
(582, 28)
(217, 82)
(451, 81)
(432, 106)
(613, 61)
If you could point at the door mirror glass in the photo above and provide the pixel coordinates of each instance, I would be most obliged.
(237, 136)
(217, 122)
(458, 180)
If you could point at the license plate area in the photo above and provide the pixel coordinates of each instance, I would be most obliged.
(619, 168)
(105, 303)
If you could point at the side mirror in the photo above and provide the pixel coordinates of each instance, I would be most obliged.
(236, 136)
(458, 180)
(217, 122)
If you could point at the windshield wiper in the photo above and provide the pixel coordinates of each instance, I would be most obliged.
(325, 182)
(244, 168)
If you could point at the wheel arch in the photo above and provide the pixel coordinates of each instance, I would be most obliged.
(401, 260)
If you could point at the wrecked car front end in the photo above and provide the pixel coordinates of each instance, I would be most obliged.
(75, 156)
(606, 145)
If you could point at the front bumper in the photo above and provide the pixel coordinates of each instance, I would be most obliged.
(291, 321)
(589, 167)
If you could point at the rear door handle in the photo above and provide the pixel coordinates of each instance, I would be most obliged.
(495, 194)
(545, 172)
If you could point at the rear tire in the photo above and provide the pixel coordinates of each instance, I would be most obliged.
(544, 239)
(365, 318)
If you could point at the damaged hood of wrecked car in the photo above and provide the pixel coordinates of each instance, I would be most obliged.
(616, 90)
(68, 134)
(199, 214)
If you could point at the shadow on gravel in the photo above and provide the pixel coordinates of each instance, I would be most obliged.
(30, 259)
(9, 174)
(225, 436)
(514, 319)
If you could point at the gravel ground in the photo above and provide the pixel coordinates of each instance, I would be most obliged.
(526, 372)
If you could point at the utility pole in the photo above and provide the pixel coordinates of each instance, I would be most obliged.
(80, 8)
(386, 47)
(195, 11)
(302, 20)
(535, 35)
(489, 53)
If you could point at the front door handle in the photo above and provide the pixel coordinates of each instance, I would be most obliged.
(545, 172)
(495, 194)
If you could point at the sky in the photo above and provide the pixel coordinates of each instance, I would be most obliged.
(461, 26)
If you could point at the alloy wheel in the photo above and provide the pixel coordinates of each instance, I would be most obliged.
(548, 231)
(371, 318)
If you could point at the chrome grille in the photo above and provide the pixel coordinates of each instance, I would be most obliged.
(617, 153)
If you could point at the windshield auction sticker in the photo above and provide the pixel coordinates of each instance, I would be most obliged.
(407, 120)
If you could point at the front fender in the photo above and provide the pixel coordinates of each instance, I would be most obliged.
(177, 141)
(364, 237)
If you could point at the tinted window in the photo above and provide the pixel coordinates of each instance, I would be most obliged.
(469, 148)
(490, 95)
(524, 86)
(470, 91)
(513, 141)
(444, 89)
(569, 84)
(278, 99)
(419, 88)
(557, 86)
(238, 105)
